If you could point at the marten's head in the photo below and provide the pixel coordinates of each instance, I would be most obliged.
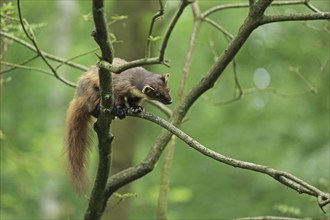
(157, 89)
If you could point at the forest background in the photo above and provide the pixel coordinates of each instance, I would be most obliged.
(282, 121)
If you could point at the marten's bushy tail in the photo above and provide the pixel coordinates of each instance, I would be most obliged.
(77, 142)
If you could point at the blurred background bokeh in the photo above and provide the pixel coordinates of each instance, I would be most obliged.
(285, 126)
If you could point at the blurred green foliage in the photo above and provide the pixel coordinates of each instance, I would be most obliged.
(286, 132)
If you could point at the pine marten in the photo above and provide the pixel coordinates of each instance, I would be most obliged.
(131, 86)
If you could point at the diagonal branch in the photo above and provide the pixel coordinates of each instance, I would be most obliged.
(285, 178)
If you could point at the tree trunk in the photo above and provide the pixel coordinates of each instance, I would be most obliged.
(133, 32)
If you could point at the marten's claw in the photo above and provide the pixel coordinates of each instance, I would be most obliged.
(136, 109)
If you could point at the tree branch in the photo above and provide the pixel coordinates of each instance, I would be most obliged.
(285, 178)
(129, 65)
(246, 5)
(295, 17)
(310, 6)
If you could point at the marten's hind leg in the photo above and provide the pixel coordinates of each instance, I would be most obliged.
(120, 107)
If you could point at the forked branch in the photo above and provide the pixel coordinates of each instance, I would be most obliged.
(161, 57)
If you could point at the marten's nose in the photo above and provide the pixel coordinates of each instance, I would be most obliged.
(169, 102)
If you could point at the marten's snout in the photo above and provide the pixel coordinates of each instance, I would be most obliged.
(167, 102)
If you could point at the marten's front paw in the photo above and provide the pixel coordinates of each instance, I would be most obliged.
(136, 109)
(121, 112)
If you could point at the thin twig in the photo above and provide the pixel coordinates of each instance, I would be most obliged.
(310, 6)
(167, 111)
(165, 180)
(155, 17)
(30, 35)
(192, 46)
(223, 7)
(274, 91)
(246, 5)
(21, 64)
(76, 57)
(183, 5)
(154, 60)
(47, 55)
(306, 82)
(218, 27)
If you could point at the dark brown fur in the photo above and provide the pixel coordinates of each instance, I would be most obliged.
(131, 86)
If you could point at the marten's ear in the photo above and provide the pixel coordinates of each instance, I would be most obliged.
(165, 77)
(146, 89)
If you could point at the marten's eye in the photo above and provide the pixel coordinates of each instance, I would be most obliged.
(157, 94)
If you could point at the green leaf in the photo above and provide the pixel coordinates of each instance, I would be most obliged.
(288, 210)
(153, 39)
(125, 195)
(87, 17)
(119, 17)
(2, 135)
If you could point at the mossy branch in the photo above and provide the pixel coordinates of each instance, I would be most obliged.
(97, 204)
